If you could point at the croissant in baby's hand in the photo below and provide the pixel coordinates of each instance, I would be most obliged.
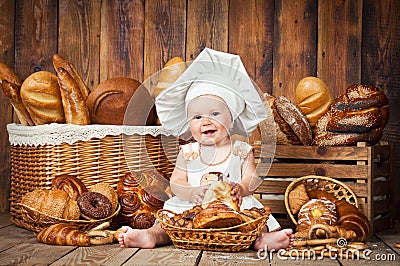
(63, 235)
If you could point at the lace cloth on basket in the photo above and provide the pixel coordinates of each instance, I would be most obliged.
(55, 134)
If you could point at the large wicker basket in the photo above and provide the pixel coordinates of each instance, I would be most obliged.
(335, 187)
(93, 160)
(223, 239)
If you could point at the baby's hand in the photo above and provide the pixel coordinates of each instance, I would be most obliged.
(236, 192)
(197, 194)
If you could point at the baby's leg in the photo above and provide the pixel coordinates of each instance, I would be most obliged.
(143, 238)
(273, 241)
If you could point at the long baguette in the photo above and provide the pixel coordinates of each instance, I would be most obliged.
(60, 62)
(75, 109)
(12, 91)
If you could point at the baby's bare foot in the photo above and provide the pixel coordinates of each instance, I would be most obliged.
(135, 238)
(273, 241)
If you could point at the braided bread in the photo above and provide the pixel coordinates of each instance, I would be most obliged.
(70, 184)
(360, 114)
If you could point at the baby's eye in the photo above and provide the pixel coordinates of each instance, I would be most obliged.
(214, 113)
(197, 117)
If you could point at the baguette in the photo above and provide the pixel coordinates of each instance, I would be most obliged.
(75, 109)
(12, 91)
(60, 62)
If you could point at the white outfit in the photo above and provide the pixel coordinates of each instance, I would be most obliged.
(231, 169)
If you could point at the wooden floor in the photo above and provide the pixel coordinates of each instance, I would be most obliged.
(19, 247)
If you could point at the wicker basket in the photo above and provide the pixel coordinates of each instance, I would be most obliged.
(94, 160)
(223, 239)
(337, 188)
(36, 221)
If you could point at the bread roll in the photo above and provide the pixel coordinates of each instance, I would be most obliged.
(70, 184)
(40, 93)
(6, 73)
(220, 191)
(108, 191)
(313, 98)
(169, 74)
(12, 91)
(111, 99)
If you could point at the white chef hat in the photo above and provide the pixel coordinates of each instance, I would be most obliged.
(212, 73)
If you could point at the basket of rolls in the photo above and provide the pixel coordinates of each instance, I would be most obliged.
(217, 224)
(95, 134)
(326, 214)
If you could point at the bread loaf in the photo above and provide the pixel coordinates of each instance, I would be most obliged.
(70, 184)
(292, 125)
(41, 96)
(12, 91)
(75, 109)
(52, 202)
(110, 100)
(316, 211)
(313, 98)
(63, 234)
(60, 63)
(6, 73)
(169, 74)
(108, 191)
(358, 115)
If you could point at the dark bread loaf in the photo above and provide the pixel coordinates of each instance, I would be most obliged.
(351, 218)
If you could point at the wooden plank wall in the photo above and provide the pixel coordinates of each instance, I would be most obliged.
(280, 42)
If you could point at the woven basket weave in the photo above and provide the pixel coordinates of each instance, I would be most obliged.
(335, 187)
(223, 239)
(93, 161)
(36, 220)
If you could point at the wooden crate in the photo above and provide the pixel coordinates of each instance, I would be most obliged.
(365, 169)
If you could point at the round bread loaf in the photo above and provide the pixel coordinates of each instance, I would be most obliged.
(169, 74)
(313, 98)
(293, 117)
(108, 191)
(111, 99)
(6, 73)
(40, 93)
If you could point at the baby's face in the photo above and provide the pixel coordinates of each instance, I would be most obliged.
(209, 119)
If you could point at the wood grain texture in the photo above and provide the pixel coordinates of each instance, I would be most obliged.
(167, 255)
(165, 33)
(294, 54)
(339, 44)
(79, 37)
(251, 26)
(207, 26)
(122, 39)
(380, 61)
(7, 11)
(36, 29)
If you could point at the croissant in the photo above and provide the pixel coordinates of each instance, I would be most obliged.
(63, 235)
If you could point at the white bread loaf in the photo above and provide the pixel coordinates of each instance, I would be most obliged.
(41, 96)
(169, 74)
(313, 98)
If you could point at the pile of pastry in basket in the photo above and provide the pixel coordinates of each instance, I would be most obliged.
(326, 223)
(218, 210)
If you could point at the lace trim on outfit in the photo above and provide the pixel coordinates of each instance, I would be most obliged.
(55, 134)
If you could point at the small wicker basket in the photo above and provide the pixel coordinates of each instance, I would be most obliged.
(35, 220)
(223, 239)
(335, 187)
